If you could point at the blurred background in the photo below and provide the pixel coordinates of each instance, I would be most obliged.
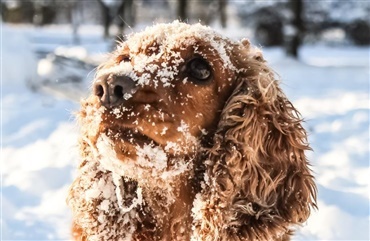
(50, 48)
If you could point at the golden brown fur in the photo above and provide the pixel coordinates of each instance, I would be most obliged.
(238, 171)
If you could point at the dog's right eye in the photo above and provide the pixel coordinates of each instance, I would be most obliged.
(199, 70)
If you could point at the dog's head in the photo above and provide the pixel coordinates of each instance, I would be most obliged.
(175, 89)
(164, 87)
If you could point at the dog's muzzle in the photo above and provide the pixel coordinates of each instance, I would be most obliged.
(113, 90)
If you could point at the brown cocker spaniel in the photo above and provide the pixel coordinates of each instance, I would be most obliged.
(188, 136)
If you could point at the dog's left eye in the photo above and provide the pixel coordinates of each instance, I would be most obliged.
(123, 58)
(199, 69)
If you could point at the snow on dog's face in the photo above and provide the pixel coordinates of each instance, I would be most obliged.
(163, 88)
(163, 95)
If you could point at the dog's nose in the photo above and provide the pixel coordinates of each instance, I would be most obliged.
(112, 90)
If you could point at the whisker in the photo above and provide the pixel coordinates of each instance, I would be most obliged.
(127, 25)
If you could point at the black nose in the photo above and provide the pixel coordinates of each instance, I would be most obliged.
(112, 90)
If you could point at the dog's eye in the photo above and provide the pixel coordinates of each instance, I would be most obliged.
(199, 69)
(123, 58)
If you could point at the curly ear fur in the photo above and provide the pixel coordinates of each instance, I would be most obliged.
(257, 181)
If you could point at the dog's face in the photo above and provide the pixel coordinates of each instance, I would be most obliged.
(163, 95)
(164, 87)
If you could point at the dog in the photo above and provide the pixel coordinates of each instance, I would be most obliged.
(187, 136)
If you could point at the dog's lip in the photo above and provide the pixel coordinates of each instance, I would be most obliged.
(137, 137)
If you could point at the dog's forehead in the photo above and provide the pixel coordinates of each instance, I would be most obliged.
(172, 35)
(176, 36)
(157, 53)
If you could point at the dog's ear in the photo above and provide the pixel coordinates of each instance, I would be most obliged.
(257, 181)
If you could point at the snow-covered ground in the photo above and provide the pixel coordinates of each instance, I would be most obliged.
(330, 86)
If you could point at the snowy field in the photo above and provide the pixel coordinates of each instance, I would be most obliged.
(329, 85)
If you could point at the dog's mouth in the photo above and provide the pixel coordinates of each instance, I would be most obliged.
(136, 137)
(131, 136)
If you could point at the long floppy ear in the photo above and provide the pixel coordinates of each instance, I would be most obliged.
(257, 181)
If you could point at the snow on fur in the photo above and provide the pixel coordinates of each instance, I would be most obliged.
(103, 207)
(99, 189)
(160, 41)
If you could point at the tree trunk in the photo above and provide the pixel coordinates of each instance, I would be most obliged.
(130, 12)
(107, 20)
(182, 10)
(121, 12)
(294, 36)
(222, 10)
(75, 19)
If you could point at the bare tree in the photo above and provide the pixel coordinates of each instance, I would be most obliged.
(126, 12)
(182, 10)
(75, 18)
(107, 19)
(222, 12)
(124, 9)
(295, 32)
(211, 10)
